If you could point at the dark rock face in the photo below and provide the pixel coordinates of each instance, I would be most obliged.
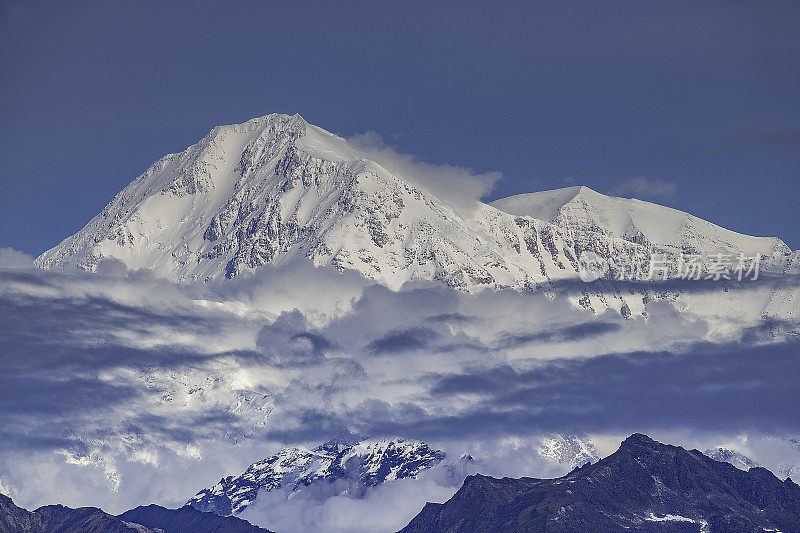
(17, 519)
(187, 520)
(643, 487)
(60, 519)
(149, 519)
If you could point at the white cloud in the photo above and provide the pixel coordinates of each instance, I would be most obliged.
(11, 258)
(386, 507)
(459, 186)
(164, 388)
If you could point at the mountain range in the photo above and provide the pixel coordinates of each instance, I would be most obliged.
(351, 465)
(276, 188)
(645, 486)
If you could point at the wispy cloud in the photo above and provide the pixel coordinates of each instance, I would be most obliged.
(460, 186)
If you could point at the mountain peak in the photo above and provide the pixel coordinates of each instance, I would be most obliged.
(585, 212)
(277, 122)
(666, 489)
(578, 189)
(639, 439)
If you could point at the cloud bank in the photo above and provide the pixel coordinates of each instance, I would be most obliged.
(121, 389)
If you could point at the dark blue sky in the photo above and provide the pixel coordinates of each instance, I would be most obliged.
(700, 98)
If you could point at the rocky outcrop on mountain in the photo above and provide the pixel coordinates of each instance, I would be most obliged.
(337, 465)
(644, 486)
(146, 519)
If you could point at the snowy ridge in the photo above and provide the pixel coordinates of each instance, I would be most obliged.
(569, 450)
(356, 465)
(737, 459)
(277, 188)
(584, 212)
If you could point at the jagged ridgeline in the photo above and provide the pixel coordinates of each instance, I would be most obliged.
(645, 486)
(351, 466)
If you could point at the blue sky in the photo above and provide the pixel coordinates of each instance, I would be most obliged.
(691, 104)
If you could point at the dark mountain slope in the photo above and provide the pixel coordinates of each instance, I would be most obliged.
(149, 519)
(187, 520)
(645, 486)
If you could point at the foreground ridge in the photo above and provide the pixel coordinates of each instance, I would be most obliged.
(146, 519)
(645, 486)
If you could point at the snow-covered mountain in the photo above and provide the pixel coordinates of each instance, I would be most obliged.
(784, 469)
(726, 455)
(584, 213)
(570, 450)
(338, 466)
(276, 188)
